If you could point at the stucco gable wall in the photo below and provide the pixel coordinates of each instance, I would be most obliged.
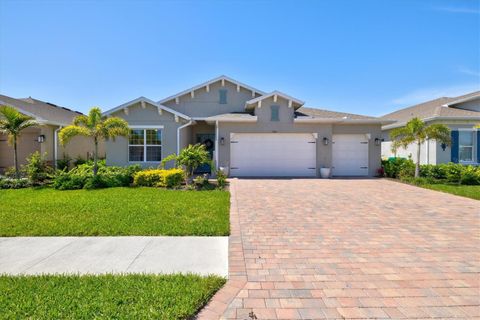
(206, 104)
(264, 113)
(117, 151)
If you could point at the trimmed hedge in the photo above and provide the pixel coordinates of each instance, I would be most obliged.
(447, 172)
(171, 178)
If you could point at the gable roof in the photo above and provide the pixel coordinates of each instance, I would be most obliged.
(43, 112)
(204, 84)
(434, 109)
(464, 98)
(305, 114)
(146, 100)
(321, 113)
(274, 93)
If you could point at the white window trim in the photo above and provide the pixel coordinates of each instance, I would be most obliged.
(145, 145)
(473, 146)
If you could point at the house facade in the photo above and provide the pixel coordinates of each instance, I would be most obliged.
(44, 137)
(461, 114)
(248, 132)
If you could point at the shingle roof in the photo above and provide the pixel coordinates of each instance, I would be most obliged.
(234, 116)
(433, 108)
(42, 110)
(320, 113)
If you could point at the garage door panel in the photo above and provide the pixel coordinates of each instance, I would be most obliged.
(275, 154)
(350, 155)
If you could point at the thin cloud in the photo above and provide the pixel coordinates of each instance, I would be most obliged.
(459, 10)
(426, 94)
(469, 72)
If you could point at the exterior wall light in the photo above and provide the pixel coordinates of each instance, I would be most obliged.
(222, 141)
(325, 141)
(378, 141)
(41, 138)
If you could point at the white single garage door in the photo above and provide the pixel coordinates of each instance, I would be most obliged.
(272, 155)
(349, 155)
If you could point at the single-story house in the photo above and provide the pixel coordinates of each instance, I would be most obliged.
(248, 132)
(44, 137)
(461, 114)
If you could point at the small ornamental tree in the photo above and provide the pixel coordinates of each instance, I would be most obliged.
(416, 131)
(192, 157)
(12, 123)
(97, 127)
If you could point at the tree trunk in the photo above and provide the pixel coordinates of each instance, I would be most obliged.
(95, 158)
(417, 165)
(15, 157)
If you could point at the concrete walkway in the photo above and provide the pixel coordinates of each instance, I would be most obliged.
(98, 255)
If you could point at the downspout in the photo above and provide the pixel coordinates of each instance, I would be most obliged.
(216, 144)
(55, 146)
(178, 134)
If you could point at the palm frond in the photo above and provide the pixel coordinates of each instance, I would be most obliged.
(115, 126)
(439, 132)
(94, 117)
(27, 124)
(13, 121)
(81, 121)
(67, 133)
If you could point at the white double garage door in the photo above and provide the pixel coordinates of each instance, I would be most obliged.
(295, 154)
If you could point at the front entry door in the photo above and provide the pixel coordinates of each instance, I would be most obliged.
(208, 140)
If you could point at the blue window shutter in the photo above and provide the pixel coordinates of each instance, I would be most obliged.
(274, 113)
(454, 148)
(223, 96)
(478, 145)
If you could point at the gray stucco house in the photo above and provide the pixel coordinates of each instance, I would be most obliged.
(43, 137)
(249, 132)
(461, 114)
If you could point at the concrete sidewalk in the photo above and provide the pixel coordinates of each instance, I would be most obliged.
(97, 255)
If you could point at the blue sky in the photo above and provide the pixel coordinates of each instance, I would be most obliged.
(367, 57)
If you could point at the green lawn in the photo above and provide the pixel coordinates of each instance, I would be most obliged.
(105, 297)
(113, 212)
(459, 190)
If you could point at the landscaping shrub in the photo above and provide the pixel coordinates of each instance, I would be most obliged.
(201, 182)
(171, 178)
(69, 181)
(12, 183)
(470, 176)
(396, 167)
(10, 172)
(64, 164)
(37, 170)
(148, 178)
(221, 179)
(108, 176)
(453, 173)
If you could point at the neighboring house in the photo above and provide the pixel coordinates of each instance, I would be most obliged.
(461, 114)
(43, 138)
(249, 132)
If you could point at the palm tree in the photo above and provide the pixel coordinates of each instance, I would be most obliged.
(12, 123)
(416, 131)
(96, 126)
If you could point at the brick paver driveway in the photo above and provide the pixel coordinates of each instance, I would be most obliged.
(314, 249)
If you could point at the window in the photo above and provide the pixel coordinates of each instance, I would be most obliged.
(465, 146)
(145, 145)
(274, 113)
(223, 96)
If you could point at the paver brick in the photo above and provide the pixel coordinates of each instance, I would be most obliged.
(359, 248)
